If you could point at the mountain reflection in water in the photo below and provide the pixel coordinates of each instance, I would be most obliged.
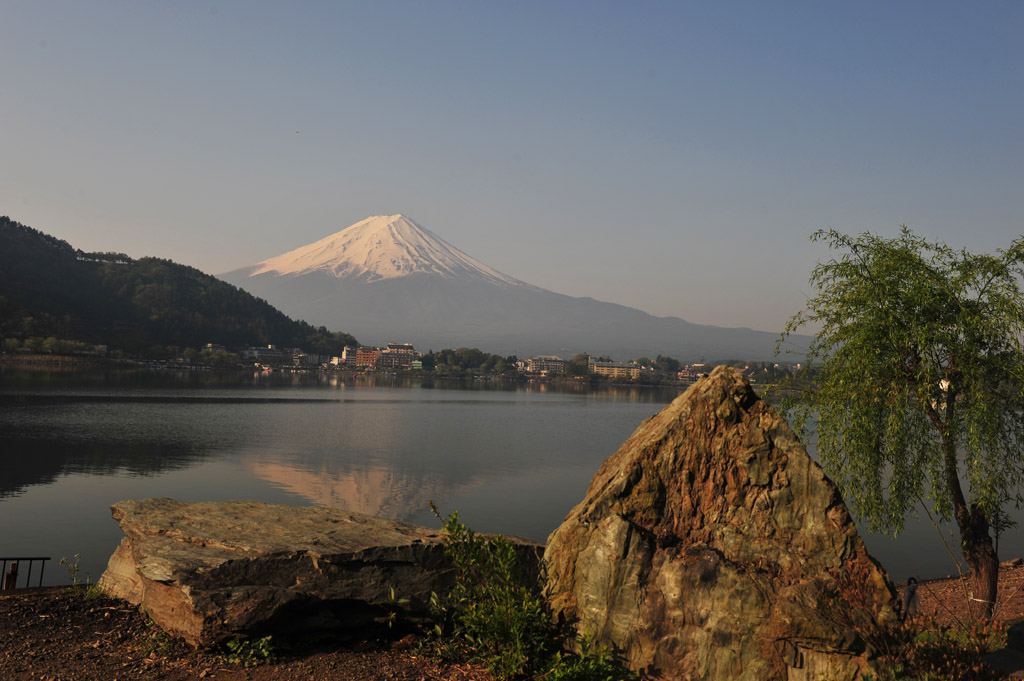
(511, 459)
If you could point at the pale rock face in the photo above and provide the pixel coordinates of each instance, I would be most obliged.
(709, 547)
(381, 247)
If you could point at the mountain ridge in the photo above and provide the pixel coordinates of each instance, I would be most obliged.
(463, 302)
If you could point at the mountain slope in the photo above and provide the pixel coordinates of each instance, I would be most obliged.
(49, 288)
(390, 279)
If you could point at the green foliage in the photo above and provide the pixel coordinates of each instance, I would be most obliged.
(919, 650)
(394, 606)
(579, 365)
(766, 373)
(593, 663)
(495, 614)
(159, 643)
(49, 289)
(920, 375)
(461, 361)
(934, 652)
(667, 365)
(74, 571)
(85, 587)
(247, 652)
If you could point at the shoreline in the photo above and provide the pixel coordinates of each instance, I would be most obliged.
(54, 633)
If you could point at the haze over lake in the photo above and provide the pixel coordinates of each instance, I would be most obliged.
(511, 459)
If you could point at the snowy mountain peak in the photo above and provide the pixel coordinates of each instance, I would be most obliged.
(381, 247)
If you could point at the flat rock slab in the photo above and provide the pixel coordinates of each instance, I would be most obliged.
(215, 570)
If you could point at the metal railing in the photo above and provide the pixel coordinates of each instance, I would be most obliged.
(10, 575)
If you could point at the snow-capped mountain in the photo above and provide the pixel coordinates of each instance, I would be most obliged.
(382, 247)
(386, 278)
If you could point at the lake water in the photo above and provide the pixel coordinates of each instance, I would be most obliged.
(513, 460)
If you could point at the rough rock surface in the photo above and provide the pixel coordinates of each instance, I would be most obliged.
(711, 546)
(212, 571)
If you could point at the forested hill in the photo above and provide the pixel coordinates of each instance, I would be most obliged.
(48, 288)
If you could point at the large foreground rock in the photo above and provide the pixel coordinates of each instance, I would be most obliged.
(212, 571)
(711, 546)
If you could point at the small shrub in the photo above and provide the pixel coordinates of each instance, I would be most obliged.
(158, 643)
(592, 664)
(74, 571)
(496, 614)
(934, 652)
(249, 652)
(79, 586)
(952, 653)
(920, 650)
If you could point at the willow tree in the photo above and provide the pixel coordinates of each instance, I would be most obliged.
(919, 384)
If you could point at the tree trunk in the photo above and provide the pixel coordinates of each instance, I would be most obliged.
(981, 557)
(975, 540)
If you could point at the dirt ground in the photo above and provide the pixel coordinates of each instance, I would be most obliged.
(51, 635)
(946, 599)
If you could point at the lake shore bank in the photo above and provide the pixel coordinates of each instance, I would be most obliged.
(53, 634)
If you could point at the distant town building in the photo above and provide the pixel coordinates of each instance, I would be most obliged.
(615, 369)
(346, 358)
(367, 357)
(267, 354)
(305, 359)
(396, 355)
(545, 364)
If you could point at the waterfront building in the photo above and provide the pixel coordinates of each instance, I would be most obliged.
(545, 364)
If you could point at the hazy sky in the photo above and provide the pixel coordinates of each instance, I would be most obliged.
(670, 156)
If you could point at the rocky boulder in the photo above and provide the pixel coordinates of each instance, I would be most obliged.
(212, 571)
(711, 546)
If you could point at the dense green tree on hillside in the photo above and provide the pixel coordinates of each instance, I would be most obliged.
(919, 394)
(461, 360)
(667, 365)
(768, 372)
(325, 342)
(579, 365)
(50, 289)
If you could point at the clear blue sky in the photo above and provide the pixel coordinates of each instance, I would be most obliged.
(671, 156)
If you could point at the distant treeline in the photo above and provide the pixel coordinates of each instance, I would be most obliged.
(50, 289)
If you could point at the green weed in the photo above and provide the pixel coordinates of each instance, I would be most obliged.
(495, 614)
(158, 643)
(81, 586)
(394, 605)
(249, 652)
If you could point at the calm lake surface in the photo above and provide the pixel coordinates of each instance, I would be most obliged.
(513, 460)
